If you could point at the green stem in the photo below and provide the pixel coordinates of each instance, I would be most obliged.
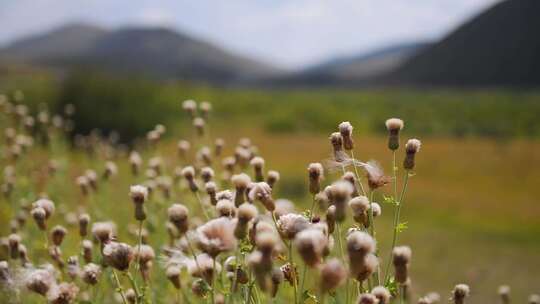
(202, 206)
(137, 265)
(295, 277)
(213, 294)
(303, 279)
(399, 203)
(338, 237)
(120, 288)
(358, 180)
(134, 286)
(372, 230)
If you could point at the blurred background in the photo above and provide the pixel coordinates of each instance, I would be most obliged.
(462, 74)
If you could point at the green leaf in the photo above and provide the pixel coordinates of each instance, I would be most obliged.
(392, 286)
(402, 227)
(390, 200)
(306, 295)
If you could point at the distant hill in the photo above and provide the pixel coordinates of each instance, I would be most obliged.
(500, 47)
(157, 52)
(347, 70)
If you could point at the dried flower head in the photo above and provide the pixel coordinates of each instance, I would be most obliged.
(345, 129)
(87, 250)
(316, 175)
(289, 225)
(225, 208)
(359, 206)
(411, 148)
(40, 280)
(203, 267)
(339, 193)
(189, 106)
(460, 292)
(337, 145)
(173, 275)
(283, 206)
(47, 205)
(375, 175)
(534, 299)
(272, 178)
(91, 273)
(57, 235)
(382, 294)
(261, 191)
(103, 231)
(118, 255)
(311, 244)
(504, 293)
(367, 298)
(333, 274)
(178, 215)
(216, 236)
(84, 220)
(138, 194)
(401, 257)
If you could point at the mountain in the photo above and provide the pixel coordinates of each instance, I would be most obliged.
(157, 52)
(500, 47)
(348, 70)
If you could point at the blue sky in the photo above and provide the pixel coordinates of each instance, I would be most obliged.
(289, 33)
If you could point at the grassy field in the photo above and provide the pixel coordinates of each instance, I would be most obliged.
(471, 209)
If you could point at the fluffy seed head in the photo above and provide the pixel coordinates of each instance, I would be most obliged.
(225, 195)
(84, 220)
(138, 193)
(247, 212)
(91, 273)
(289, 225)
(47, 205)
(316, 175)
(367, 298)
(534, 299)
(103, 231)
(216, 236)
(188, 172)
(263, 192)
(333, 274)
(272, 178)
(345, 129)
(311, 244)
(460, 292)
(413, 146)
(178, 215)
(57, 235)
(394, 124)
(360, 243)
(173, 274)
(382, 294)
(225, 208)
(40, 280)
(118, 255)
(64, 293)
(283, 206)
(207, 174)
(401, 255)
(240, 181)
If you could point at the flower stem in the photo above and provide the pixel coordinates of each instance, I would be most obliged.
(120, 288)
(202, 206)
(338, 237)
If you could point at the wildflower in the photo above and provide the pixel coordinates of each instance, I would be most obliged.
(393, 125)
(504, 293)
(110, 170)
(345, 129)
(246, 213)
(210, 188)
(199, 123)
(338, 194)
(276, 277)
(289, 225)
(360, 247)
(135, 161)
(91, 273)
(84, 220)
(401, 257)
(411, 148)
(139, 194)
(87, 251)
(261, 191)
(224, 195)
(216, 236)
(225, 208)
(47, 205)
(337, 144)
(40, 280)
(382, 294)
(359, 206)
(218, 146)
(311, 244)
(118, 255)
(375, 175)
(144, 254)
(131, 296)
(240, 182)
(377, 211)
(57, 235)
(534, 299)
(103, 231)
(331, 218)
(333, 274)
(258, 165)
(189, 174)
(84, 184)
(316, 175)
(189, 106)
(203, 267)
(178, 216)
(73, 269)
(460, 292)
(92, 177)
(173, 275)
(272, 178)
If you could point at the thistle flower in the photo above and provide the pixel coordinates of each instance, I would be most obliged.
(261, 264)
(131, 296)
(5, 276)
(92, 177)
(86, 248)
(173, 275)
(203, 267)
(110, 170)
(333, 274)
(338, 194)
(211, 189)
(360, 246)
(316, 175)
(135, 161)
(240, 182)
(139, 194)
(272, 178)
(178, 216)
(276, 277)
(40, 280)
(351, 178)
(258, 165)
(144, 254)
(57, 235)
(534, 299)
(225, 208)
(246, 213)
(189, 106)
(460, 292)
(401, 257)
(504, 293)
(382, 294)
(411, 148)
(118, 255)
(199, 123)
(218, 146)
(225, 195)
(393, 125)
(283, 206)
(360, 206)
(345, 129)
(367, 298)
(189, 174)
(377, 211)
(91, 273)
(375, 175)
(289, 225)
(40, 216)
(261, 191)
(84, 184)
(337, 145)
(73, 269)
(216, 236)
(84, 220)
(183, 147)
(311, 244)
(331, 218)
(103, 231)
(14, 240)
(47, 205)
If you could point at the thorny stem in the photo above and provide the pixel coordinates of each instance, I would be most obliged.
(202, 206)
(120, 288)
(399, 203)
